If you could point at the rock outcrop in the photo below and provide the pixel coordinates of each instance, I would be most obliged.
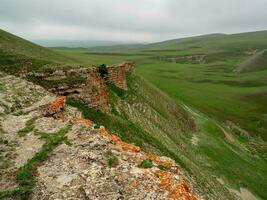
(86, 84)
(88, 164)
(197, 58)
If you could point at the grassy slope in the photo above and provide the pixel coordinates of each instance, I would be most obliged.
(219, 95)
(151, 123)
(87, 57)
(215, 90)
(11, 44)
(148, 118)
(214, 43)
(18, 55)
(212, 87)
(223, 158)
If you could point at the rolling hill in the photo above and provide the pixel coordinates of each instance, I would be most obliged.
(230, 107)
(18, 54)
(13, 45)
(202, 113)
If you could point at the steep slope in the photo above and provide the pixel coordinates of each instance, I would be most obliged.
(216, 155)
(13, 45)
(63, 156)
(146, 117)
(18, 55)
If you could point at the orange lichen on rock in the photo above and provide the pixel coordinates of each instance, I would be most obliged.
(81, 121)
(56, 108)
(133, 184)
(117, 140)
(176, 190)
(167, 182)
(155, 158)
(149, 188)
(58, 104)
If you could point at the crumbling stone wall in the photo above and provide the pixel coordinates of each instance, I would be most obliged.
(85, 84)
(129, 67)
(94, 92)
(117, 74)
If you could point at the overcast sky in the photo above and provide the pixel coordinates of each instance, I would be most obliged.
(129, 20)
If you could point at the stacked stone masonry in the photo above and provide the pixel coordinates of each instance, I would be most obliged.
(117, 74)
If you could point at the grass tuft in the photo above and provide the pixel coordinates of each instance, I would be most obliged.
(146, 163)
(113, 160)
(29, 126)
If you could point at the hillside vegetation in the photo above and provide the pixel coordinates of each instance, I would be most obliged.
(209, 82)
(18, 55)
(189, 102)
(201, 73)
(14, 45)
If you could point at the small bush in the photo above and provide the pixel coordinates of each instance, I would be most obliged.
(161, 167)
(103, 70)
(146, 163)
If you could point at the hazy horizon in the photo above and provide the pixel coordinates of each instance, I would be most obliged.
(124, 21)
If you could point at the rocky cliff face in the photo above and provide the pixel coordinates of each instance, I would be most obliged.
(86, 84)
(49, 149)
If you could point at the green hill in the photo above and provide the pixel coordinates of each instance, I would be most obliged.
(13, 45)
(205, 115)
(229, 108)
(17, 54)
(213, 43)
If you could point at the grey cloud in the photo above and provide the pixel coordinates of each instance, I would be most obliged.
(130, 20)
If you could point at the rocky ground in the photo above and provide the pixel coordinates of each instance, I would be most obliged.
(87, 163)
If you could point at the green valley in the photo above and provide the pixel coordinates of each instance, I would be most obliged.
(187, 101)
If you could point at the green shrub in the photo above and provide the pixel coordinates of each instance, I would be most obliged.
(103, 70)
(146, 163)
(161, 167)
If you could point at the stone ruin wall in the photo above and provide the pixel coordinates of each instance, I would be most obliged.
(93, 92)
(87, 85)
(117, 74)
